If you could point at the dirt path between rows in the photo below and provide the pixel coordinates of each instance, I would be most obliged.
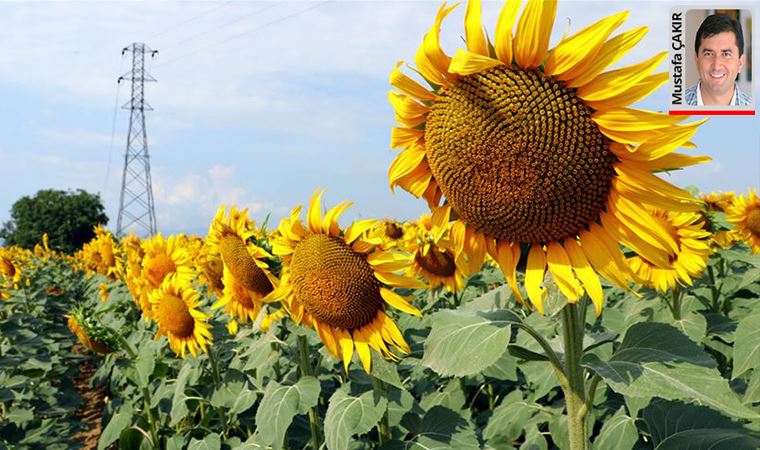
(90, 412)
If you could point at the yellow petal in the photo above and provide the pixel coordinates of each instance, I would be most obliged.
(392, 334)
(534, 29)
(418, 180)
(357, 229)
(330, 223)
(346, 346)
(361, 342)
(503, 35)
(392, 279)
(404, 137)
(409, 113)
(314, 215)
(473, 28)
(645, 87)
(399, 302)
(607, 261)
(562, 271)
(614, 82)
(406, 162)
(629, 119)
(534, 277)
(607, 55)
(582, 46)
(585, 273)
(389, 262)
(467, 63)
(431, 43)
(673, 139)
(507, 256)
(326, 334)
(409, 86)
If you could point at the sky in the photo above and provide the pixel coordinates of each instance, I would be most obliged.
(257, 104)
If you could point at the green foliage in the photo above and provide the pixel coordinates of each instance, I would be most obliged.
(475, 378)
(68, 217)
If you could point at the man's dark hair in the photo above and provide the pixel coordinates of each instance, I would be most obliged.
(716, 24)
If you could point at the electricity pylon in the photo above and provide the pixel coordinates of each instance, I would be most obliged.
(136, 207)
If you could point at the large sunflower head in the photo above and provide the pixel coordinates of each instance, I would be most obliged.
(690, 258)
(536, 149)
(229, 237)
(9, 270)
(175, 309)
(744, 213)
(165, 258)
(339, 283)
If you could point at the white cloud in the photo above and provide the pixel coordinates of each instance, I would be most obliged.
(194, 199)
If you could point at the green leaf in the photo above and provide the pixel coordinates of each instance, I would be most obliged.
(618, 433)
(676, 425)
(752, 394)
(656, 360)
(20, 416)
(444, 429)
(384, 370)
(259, 352)
(145, 363)
(508, 420)
(747, 345)
(467, 342)
(179, 408)
(210, 442)
(693, 325)
(534, 440)
(118, 422)
(451, 397)
(280, 404)
(176, 442)
(401, 403)
(348, 415)
(505, 368)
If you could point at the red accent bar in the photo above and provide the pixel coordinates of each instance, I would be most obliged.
(712, 112)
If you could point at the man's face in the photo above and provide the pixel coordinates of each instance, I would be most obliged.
(718, 62)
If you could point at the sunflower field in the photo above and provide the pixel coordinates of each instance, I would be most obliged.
(559, 294)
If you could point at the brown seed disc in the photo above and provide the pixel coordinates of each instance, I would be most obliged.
(241, 265)
(753, 221)
(334, 283)
(437, 262)
(518, 156)
(175, 317)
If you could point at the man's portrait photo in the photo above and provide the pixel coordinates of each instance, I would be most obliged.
(720, 57)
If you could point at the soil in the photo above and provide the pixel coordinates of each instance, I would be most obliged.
(90, 412)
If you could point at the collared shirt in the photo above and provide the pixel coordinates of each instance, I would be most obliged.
(694, 97)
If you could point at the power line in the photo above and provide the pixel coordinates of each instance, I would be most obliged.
(172, 28)
(224, 24)
(273, 22)
(113, 131)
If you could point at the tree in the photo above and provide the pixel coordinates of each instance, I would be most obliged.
(68, 217)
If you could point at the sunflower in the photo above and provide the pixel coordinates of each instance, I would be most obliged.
(101, 254)
(79, 326)
(104, 291)
(389, 234)
(175, 310)
(9, 270)
(339, 283)
(246, 278)
(165, 258)
(537, 151)
(687, 230)
(718, 201)
(744, 213)
(433, 254)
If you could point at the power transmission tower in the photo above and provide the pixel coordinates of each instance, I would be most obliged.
(136, 207)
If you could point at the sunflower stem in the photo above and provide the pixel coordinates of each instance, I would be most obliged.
(145, 391)
(714, 289)
(217, 385)
(303, 349)
(676, 295)
(575, 397)
(383, 427)
(547, 348)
